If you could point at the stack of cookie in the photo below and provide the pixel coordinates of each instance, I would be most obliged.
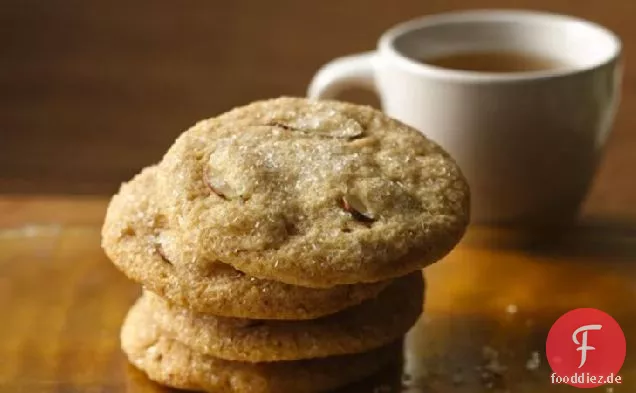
(280, 244)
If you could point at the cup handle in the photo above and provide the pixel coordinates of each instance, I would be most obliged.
(342, 74)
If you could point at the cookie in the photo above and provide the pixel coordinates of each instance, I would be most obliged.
(174, 364)
(136, 237)
(313, 193)
(372, 324)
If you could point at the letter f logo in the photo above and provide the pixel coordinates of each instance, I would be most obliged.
(585, 329)
(583, 343)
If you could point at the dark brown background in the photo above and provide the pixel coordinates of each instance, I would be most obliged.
(91, 91)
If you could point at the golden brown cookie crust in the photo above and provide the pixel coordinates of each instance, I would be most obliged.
(372, 324)
(314, 193)
(171, 363)
(134, 237)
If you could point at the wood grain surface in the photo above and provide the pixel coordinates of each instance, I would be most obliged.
(91, 91)
(62, 305)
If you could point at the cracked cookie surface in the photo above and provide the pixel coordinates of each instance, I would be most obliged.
(372, 324)
(172, 363)
(137, 237)
(313, 193)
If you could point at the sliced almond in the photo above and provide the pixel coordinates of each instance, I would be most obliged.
(346, 134)
(350, 129)
(281, 125)
(218, 186)
(357, 208)
(363, 142)
(330, 126)
(162, 254)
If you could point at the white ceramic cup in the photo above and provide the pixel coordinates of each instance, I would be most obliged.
(528, 142)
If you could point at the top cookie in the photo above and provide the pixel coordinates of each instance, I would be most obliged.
(138, 239)
(313, 193)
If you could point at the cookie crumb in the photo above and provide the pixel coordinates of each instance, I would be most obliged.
(512, 309)
(610, 389)
(534, 362)
(492, 371)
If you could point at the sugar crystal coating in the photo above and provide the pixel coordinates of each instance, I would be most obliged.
(262, 188)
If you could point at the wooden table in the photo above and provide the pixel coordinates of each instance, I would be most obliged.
(62, 303)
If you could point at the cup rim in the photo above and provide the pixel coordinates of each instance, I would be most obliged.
(386, 45)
